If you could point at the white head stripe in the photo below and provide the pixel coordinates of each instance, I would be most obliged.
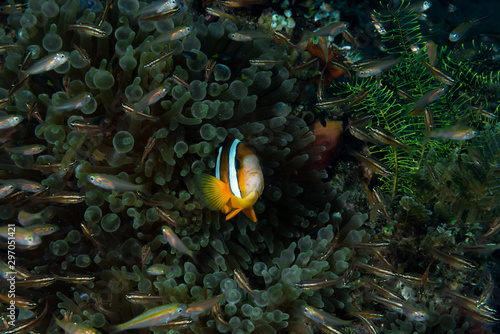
(217, 165)
(233, 175)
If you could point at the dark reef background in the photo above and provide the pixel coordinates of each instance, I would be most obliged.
(374, 237)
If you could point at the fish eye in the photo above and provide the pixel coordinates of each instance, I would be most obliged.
(180, 310)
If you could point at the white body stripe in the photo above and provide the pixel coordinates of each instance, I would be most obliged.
(233, 175)
(217, 165)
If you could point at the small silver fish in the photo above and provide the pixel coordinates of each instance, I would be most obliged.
(376, 67)
(5, 190)
(88, 29)
(173, 34)
(22, 235)
(152, 317)
(76, 328)
(74, 103)
(150, 98)
(110, 182)
(332, 29)
(25, 185)
(27, 149)
(175, 241)
(158, 269)
(247, 35)
(43, 229)
(459, 32)
(9, 121)
(455, 132)
(47, 63)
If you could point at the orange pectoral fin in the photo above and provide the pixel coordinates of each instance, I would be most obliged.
(245, 205)
(212, 192)
(250, 213)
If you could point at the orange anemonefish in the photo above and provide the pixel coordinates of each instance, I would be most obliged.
(238, 180)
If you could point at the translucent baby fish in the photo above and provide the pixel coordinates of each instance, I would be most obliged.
(373, 163)
(419, 6)
(431, 48)
(75, 279)
(160, 16)
(34, 113)
(455, 132)
(493, 230)
(265, 62)
(88, 29)
(378, 26)
(9, 121)
(140, 297)
(454, 260)
(47, 63)
(440, 75)
(281, 37)
(387, 137)
(166, 216)
(217, 315)
(75, 328)
(317, 284)
(401, 306)
(177, 324)
(332, 29)
(242, 281)
(6, 190)
(323, 318)
(376, 67)
(219, 13)
(247, 35)
(85, 56)
(23, 236)
(201, 306)
(19, 302)
(240, 3)
(62, 198)
(25, 185)
(110, 182)
(151, 98)
(487, 291)
(43, 229)
(428, 98)
(459, 32)
(157, 60)
(153, 317)
(66, 160)
(159, 269)
(173, 34)
(74, 103)
(175, 241)
(8, 47)
(27, 149)
(159, 6)
(104, 14)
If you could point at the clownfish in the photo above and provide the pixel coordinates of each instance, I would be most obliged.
(238, 181)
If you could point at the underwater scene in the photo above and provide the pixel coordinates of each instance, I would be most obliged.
(249, 166)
